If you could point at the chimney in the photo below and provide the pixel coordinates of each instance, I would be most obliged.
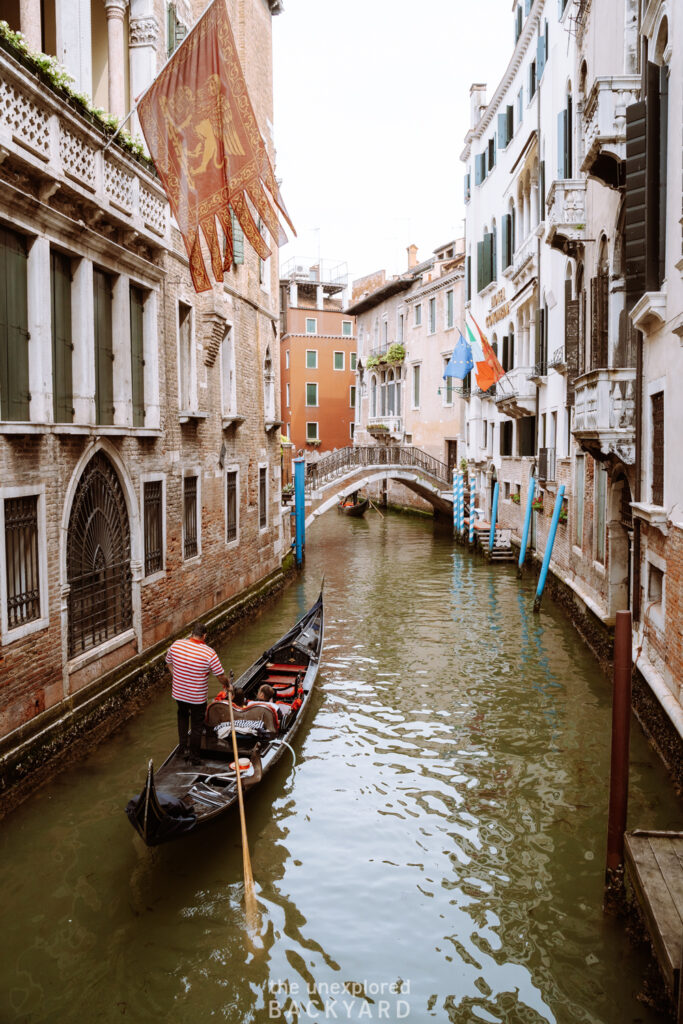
(477, 102)
(412, 256)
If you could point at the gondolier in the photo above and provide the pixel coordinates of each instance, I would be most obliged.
(190, 661)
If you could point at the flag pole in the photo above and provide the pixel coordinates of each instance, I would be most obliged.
(161, 69)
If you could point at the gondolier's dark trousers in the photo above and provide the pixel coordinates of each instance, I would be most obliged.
(190, 714)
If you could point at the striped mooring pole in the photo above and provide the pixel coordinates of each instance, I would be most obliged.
(461, 502)
(473, 514)
(455, 502)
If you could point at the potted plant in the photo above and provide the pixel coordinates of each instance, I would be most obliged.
(515, 498)
(537, 505)
(371, 361)
(562, 518)
(396, 353)
(463, 465)
(315, 442)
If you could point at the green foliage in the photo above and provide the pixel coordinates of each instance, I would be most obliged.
(515, 498)
(396, 353)
(56, 76)
(371, 361)
(563, 516)
(463, 465)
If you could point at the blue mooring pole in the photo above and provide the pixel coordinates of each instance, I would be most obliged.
(300, 510)
(527, 524)
(494, 516)
(549, 548)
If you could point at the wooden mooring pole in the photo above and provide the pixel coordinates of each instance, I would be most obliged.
(621, 725)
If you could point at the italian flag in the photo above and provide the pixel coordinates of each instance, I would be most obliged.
(488, 369)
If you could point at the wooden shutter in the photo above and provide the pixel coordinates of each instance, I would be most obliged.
(14, 394)
(518, 23)
(237, 240)
(511, 122)
(562, 144)
(538, 340)
(540, 56)
(505, 360)
(62, 345)
(603, 319)
(652, 126)
(658, 448)
(505, 240)
(467, 188)
(594, 321)
(492, 152)
(137, 302)
(635, 213)
(502, 130)
(468, 278)
(104, 351)
(487, 259)
(568, 152)
(663, 151)
(571, 345)
(480, 265)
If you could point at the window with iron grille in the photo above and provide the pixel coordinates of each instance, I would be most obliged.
(154, 554)
(231, 505)
(98, 559)
(658, 448)
(21, 558)
(190, 543)
(262, 494)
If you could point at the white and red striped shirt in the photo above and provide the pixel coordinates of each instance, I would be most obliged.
(191, 661)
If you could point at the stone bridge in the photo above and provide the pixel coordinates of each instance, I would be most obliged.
(350, 469)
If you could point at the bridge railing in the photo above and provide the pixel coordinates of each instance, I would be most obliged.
(357, 456)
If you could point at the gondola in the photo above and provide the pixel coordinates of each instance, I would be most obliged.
(351, 509)
(180, 798)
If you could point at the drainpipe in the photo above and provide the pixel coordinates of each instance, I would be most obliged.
(639, 469)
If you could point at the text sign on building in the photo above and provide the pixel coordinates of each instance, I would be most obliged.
(500, 308)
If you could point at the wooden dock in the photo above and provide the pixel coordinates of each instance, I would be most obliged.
(654, 864)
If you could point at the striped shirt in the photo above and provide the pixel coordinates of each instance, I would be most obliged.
(190, 662)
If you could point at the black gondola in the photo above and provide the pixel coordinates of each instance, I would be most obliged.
(180, 797)
(350, 508)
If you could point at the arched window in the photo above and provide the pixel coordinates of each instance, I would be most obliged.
(98, 559)
(390, 393)
(373, 396)
(383, 394)
(398, 391)
(268, 388)
(581, 297)
(600, 309)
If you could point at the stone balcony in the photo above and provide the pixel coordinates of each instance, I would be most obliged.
(386, 426)
(566, 216)
(62, 152)
(604, 116)
(604, 413)
(524, 264)
(516, 394)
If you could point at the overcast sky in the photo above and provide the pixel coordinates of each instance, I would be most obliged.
(371, 111)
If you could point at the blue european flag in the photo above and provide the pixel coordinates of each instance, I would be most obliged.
(461, 362)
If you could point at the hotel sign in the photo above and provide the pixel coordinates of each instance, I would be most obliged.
(500, 308)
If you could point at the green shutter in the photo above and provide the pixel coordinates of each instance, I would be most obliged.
(468, 278)
(62, 345)
(505, 241)
(14, 393)
(137, 303)
(487, 275)
(510, 130)
(104, 352)
(540, 331)
(237, 240)
(502, 130)
(480, 266)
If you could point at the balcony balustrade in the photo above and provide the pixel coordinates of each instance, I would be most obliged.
(385, 426)
(516, 395)
(524, 262)
(566, 216)
(604, 116)
(60, 148)
(604, 413)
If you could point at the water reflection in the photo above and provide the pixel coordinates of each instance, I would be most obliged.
(438, 848)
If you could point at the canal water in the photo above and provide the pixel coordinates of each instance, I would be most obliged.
(437, 854)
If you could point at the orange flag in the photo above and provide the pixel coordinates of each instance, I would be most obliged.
(490, 370)
(204, 138)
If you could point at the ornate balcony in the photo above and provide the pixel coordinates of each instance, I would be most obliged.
(604, 115)
(516, 395)
(566, 216)
(604, 413)
(386, 426)
(524, 264)
(62, 152)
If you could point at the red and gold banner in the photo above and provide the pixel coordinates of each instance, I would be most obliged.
(205, 142)
(489, 371)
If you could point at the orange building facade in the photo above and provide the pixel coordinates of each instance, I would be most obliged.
(317, 358)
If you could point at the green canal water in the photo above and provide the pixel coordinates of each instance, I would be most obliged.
(436, 855)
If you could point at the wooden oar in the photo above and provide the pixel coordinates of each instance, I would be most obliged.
(249, 891)
(372, 505)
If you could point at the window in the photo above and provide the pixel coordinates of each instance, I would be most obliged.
(447, 386)
(21, 561)
(262, 497)
(311, 394)
(579, 490)
(532, 79)
(418, 314)
(373, 397)
(312, 432)
(449, 309)
(352, 427)
(237, 240)
(175, 30)
(185, 356)
(311, 359)
(401, 327)
(600, 509)
(287, 402)
(287, 359)
(347, 328)
(480, 164)
(658, 448)
(153, 519)
(564, 141)
(353, 357)
(526, 436)
(229, 377)
(104, 349)
(506, 486)
(311, 325)
(385, 332)
(506, 437)
(416, 387)
(432, 316)
(486, 272)
(352, 396)
(268, 388)
(484, 433)
(231, 505)
(468, 187)
(137, 354)
(506, 126)
(541, 52)
(520, 106)
(339, 360)
(62, 345)
(190, 532)
(655, 584)
(518, 21)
